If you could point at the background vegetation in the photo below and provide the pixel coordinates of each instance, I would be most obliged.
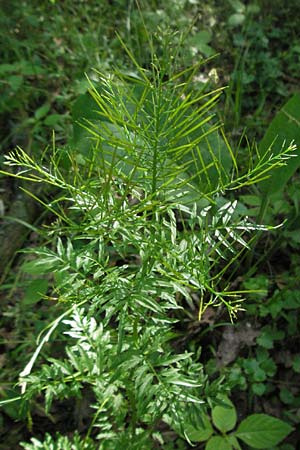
(164, 61)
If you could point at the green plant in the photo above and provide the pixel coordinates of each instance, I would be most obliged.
(256, 430)
(260, 69)
(282, 308)
(141, 230)
(268, 369)
(272, 199)
(59, 443)
(283, 127)
(247, 33)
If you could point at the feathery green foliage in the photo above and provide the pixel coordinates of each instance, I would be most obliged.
(144, 226)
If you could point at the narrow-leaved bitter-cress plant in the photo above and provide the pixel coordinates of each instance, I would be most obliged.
(145, 226)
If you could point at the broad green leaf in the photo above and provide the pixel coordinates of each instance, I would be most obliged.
(190, 151)
(218, 443)
(262, 431)
(53, 119)
(201, 36)
(84, 108)
(202, 432)
(11, 404)
(224, 417)
(200, 41)
(284, 129)
(35, 291)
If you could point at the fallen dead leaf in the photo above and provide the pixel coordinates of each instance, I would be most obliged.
(233, 339)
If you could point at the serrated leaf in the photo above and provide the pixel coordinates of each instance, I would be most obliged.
(224, 418)
(268, 336)
(262, 431)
